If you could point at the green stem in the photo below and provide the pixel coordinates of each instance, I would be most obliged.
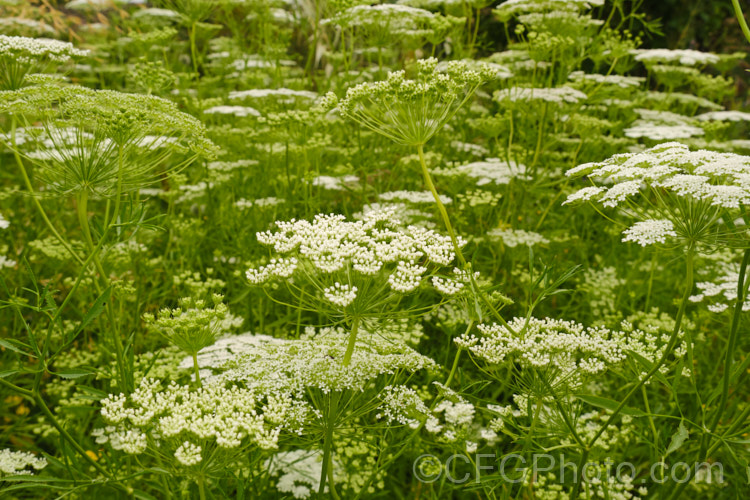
(352, 341)
(731, 346)
(83, 220)
(326, 472)
(202, 487)
(510, 138)
(452, 233)
(667, 352)
(416, 431)
(741, 19)
(441, 208)
(454, 368)
(66, 435)
(16, 388)
(196, 369)
(650, 417)
(27, 182)
(540, 134)
(738, 422)
(193, 47)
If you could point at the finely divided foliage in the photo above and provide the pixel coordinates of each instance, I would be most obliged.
(429, 249)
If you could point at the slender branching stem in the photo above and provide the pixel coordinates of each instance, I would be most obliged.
(729, 354)
(441, 208)
(37, 203)
(668, 350)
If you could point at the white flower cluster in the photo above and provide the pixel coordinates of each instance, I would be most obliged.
(460, 413)
(335, 183)
(342, 295)
(722, 179)
(446, 286)
(659, 132)
(514, 237)
(230, 416)
(279, 268)
(130, 441)
(157, 13)
(14, 463)
(339, 253)
(455, 420)
(403, 405)
(511, 8)
(226, 349)
(684, 57)
(11, 24)
(649, 340)
(188, 454)
(555, 95)
(543, 21)
(238, 111)
(722, 291)
(259, 203)
(568, 347)
(621, 81)
(30, 50)
(662, 125)
(415, 197)
(649, 232)
(724, 116)
(292, 366)
(6, 262)
(396, 18)
(281, 93)
(491, 170)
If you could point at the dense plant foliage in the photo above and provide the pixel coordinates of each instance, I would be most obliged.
(346, 249)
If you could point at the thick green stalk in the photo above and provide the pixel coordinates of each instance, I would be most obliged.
(352, 341)
(454, 368)
(196, 369)
(202, 487)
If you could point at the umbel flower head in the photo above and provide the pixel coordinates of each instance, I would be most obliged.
(412, 111)
(567, 349)
(270, 365)
(356, 267)
(20, 56)
(693, 197)
(13, 463)
(101, 140)
(191, 326)
(173, 419)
